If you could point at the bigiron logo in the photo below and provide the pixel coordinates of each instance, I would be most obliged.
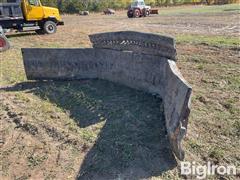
(209, 169)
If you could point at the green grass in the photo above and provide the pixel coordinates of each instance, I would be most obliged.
(216, 153)
(201, 9)
(208, 40)
(36, 160)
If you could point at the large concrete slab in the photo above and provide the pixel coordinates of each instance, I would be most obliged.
(151, 73)
(144, 43)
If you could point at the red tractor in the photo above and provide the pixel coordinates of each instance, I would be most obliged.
(138, 9)
(4, 44)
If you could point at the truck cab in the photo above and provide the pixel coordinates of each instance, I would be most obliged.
(17, 14)
(33, 10)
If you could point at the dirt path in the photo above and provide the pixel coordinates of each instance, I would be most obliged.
(202, 24)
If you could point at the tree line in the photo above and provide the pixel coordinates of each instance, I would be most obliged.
(74, 6)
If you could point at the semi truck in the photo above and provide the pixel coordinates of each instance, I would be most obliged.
(20, 14)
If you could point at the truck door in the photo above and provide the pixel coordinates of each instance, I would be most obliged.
(34, 10)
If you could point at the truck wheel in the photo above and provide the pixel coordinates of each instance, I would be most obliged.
(4, 44)
(50, 27)
(136, 13)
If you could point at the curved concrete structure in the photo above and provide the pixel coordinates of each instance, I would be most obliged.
(123, 57)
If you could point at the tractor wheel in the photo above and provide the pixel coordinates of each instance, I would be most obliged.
(4, 44)
(136, 13)
(144, 12)
(50, 27)
(147, 12)
(130, 14)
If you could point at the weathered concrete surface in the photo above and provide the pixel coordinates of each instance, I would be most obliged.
(139, 42)
(151, 73)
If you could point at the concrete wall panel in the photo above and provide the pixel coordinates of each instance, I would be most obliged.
(151, 73)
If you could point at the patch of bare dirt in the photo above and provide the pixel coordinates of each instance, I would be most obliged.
(33, 150)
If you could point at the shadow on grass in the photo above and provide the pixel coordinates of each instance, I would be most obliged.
(233, 9)
(132, 143)
(22, 34)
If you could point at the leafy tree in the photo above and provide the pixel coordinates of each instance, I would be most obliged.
(74, 6)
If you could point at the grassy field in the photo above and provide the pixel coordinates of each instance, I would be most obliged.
(93, 129)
